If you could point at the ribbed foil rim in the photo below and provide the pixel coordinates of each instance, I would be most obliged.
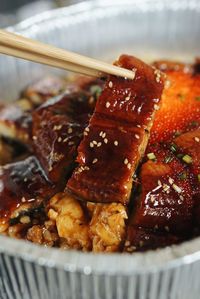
(115, 263)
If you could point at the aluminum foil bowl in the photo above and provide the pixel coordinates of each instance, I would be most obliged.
(149, 29)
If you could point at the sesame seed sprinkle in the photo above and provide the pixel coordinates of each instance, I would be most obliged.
(23, 199)
(197, 139)
(116, 143)
(99, 144)
(126, 161)
(156, 107)
(137, 136)
(69, 131)
(171, 181)
(71, 143)
(56, 128)
(105, 140)
(94, 161)
(129, 165)
(91, 144)
(110, 84)
(59, 139)
(107, 104)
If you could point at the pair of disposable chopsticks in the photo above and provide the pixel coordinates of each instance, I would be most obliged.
(28, 49)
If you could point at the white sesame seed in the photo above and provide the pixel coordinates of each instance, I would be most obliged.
(69, 131)
(107, 104)
(56, 128)
(94, 142)
(129, 165)
(116, 143)
(156, 107)
(87, 129)
(99, 144)
(128, 97)
(196, 139)
(105, 140)
(85, 133)
(25, 179)
(59, 139)
(34, 137)
(94, 161)
(152, 199)
(71, 143)
(23, 199)
(138, 126)
(91, 144)
(103, 135)
(176, 188)
(110, 84)
(171, 181)
(65, 140)
(137, 136)
(181, 197)
(100, 134)
(126, 161)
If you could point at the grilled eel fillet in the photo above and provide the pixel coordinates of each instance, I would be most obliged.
(168, 208)
(117, 135)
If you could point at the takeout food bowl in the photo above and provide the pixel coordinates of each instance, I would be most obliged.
(149, 29)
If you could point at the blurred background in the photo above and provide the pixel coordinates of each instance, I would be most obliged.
(13, 11)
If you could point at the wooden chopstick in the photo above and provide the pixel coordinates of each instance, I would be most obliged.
(25, 48)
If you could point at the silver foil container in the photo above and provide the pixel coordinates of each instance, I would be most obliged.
(149, 29)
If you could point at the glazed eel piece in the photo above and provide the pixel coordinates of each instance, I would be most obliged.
(117, 135)
(58, 127)
(24, 187)
(164, 207)
(188, 149)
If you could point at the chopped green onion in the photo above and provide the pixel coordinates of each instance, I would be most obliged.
(187, 159)
(194, 123)
(168, 159)
(151, 156)
(180, 156)
(181, 96)
(183, 176)
(96, 90)
(177, 133)
(173, 147)
(197, 98)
